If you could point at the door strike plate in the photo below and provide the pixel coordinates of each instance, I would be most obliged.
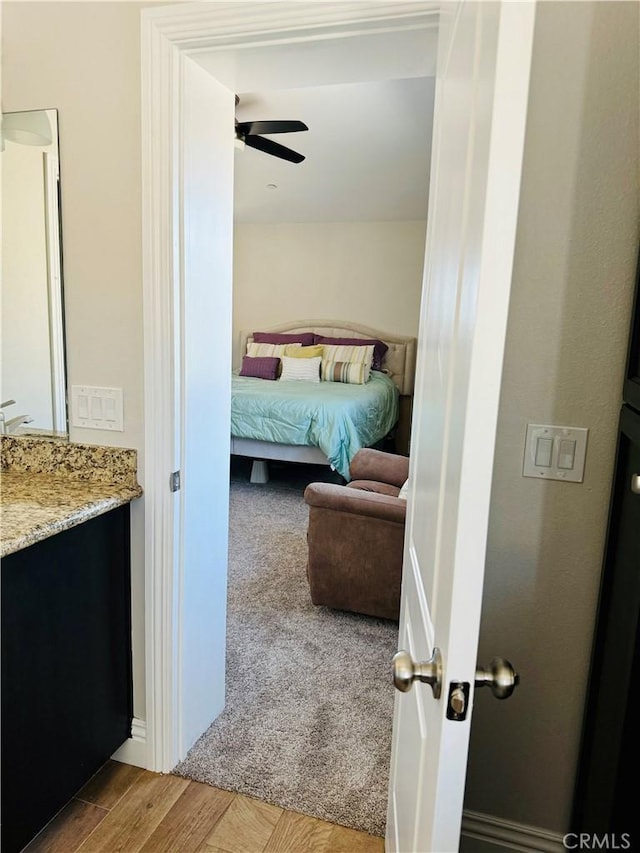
(458, 701)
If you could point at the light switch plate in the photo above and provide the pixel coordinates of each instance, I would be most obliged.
(97, 408)
(564, 448)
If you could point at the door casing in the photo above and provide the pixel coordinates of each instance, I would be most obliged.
(169, 35)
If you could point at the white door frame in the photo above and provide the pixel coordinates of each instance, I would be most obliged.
(167, 34)
(54, 290)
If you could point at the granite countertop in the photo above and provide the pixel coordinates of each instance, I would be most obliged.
(35, 506)
(48, 487)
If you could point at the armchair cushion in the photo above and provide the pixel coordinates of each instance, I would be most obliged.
(369, 464)
(374, 486)
(355, 502)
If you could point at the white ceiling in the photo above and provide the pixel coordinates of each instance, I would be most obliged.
(367, 152)
(368, 102)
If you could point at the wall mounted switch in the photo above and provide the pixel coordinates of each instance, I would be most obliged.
(97, 408)
(555, 452)
(544, 452)
(110, 413)
(567, 454)
(83, 406)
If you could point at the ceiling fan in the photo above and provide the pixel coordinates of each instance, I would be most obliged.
(247, 132)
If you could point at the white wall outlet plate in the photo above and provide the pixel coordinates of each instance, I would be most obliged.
(555, 452)
(97, 408)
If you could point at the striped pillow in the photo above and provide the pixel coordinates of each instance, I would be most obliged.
(348, 353)
(379, 347)
(270, 350)
(300, 369)
(353, 372)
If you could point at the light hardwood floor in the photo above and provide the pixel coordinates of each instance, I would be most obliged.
(127, 810)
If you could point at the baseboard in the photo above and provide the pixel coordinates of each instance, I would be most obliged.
(514, 836)
(134, 749)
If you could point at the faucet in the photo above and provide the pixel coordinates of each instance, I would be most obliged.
(13, 424)
(3, 428)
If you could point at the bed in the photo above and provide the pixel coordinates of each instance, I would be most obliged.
(324, 422)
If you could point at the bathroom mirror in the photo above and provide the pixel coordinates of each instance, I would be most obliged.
(31, 308)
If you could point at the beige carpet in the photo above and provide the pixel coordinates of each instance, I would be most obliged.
(307, 724)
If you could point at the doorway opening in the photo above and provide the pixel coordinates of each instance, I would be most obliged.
(185, 239)
(340, 236)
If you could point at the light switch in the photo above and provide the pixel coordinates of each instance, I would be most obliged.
(109, 409)
(97, 408)
(555, 452)
(566, 454)
(83, 406)
(544, 451)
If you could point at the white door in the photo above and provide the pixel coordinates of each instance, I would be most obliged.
(204, 396)
(484, 58)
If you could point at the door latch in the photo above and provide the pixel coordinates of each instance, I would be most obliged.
(174, 481)
(458, 701)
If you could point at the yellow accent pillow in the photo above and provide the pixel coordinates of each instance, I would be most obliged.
(296, 351)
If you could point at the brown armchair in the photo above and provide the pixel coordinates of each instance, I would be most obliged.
(356, 536)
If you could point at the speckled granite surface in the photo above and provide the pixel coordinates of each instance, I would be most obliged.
(47, 486)
(35, 455)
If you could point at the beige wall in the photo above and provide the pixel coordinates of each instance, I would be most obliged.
(568, 325)
(84, 59)
(575, 256)
(366, 272)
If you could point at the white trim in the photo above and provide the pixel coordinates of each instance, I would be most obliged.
(159, 245)
(168, 33)
(203, 26)
(134, 749)
(514, 836)
(54, 290)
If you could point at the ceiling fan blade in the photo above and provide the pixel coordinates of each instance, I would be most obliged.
(252, 127)
(273, 148)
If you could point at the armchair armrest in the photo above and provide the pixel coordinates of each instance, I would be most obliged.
(341, 499)
(369, 464)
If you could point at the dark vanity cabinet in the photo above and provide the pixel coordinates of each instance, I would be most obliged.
(66, 668)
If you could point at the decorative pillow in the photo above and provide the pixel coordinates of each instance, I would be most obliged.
(303, 352)
(348, 353)
(353, 372)
(272, 350)
(379, 347)
(404, 490)
(300, 369)
(260, 367)
(304, 338)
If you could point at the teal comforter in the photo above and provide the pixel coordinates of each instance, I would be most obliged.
(334, 416)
